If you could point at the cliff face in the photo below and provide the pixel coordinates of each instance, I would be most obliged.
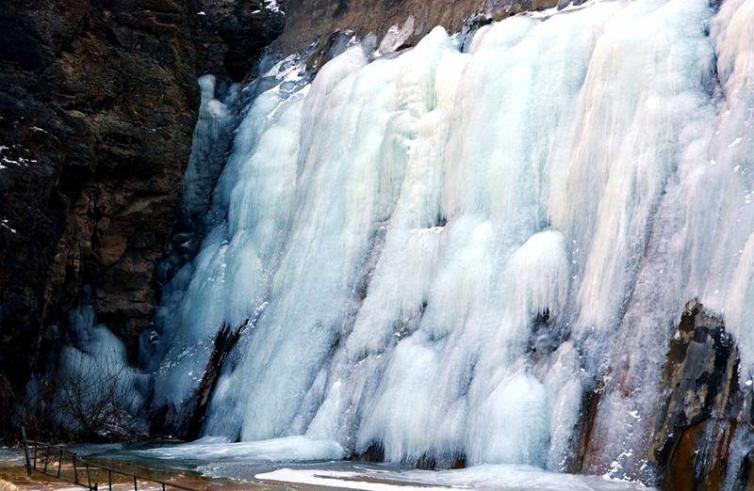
(98, 100)
(704, 412)
(309, 20)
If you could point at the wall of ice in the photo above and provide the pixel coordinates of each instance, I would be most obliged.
(440, 250)
(97, 392)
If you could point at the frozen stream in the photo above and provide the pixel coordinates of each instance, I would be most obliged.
(315, 463)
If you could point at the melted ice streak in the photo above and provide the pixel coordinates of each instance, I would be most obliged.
(396, 229)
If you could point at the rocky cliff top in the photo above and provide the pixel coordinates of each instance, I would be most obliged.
(309, 20)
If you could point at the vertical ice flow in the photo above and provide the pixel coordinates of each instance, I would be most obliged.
(440, 250)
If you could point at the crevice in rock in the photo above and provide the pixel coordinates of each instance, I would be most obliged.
(225, 341)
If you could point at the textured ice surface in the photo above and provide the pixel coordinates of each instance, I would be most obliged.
(440, 251)
(291, 448)
(94, 380)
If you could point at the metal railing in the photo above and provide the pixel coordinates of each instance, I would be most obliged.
(85, 473)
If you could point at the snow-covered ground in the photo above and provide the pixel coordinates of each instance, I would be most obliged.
(479, 477)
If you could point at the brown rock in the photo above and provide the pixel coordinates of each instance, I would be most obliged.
(702, 408)
(97, 104)
(310, 20)
(700, 457)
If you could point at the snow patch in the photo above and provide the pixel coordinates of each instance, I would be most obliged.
(483, 476)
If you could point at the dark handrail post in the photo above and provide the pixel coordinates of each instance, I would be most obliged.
(47, 458)
(92, 484)
(75, 470)
(26, 451)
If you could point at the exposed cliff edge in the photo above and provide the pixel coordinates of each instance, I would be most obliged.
(97, 106)
(313, 19)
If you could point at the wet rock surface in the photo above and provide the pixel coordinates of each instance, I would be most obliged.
(98, 100)
(701, 437)
(702, 408)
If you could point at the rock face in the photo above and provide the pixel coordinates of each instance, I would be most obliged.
(231, 34)
(702, 409)
(98, 100)
(309, 20)
(702, 437)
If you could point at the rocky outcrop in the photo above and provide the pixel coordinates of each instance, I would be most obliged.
(232, 34)
(700, 436)
(701, 409)
(98, 99)
(224, 342)
(310, 20)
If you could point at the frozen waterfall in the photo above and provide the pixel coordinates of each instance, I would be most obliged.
(438, 251)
